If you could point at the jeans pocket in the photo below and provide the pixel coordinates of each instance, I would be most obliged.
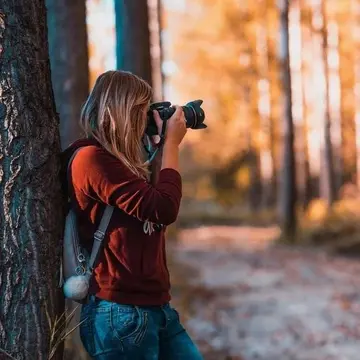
(86, 333)
(95, 331)
(129, 323)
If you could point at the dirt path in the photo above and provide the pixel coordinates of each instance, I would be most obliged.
(256, 301)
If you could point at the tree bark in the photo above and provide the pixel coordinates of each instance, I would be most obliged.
(31, 207)
(69, 63)
(288, 186)
(133, 38)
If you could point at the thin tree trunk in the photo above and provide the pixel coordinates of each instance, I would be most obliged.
(306, 60)
(334, 96)
(69, 62)
(316, 96)
(272, 23)
(263, 83)
(256, 180)
(288, 186)
(133, 38)
(160, 12)
(31, 207)
(297, 96)
(328, 162)
(356, 29)
(347, 55)
(156, 48)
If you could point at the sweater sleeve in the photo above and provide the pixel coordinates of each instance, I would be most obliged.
(99, 174)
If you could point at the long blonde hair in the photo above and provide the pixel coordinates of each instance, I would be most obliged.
(115, 115)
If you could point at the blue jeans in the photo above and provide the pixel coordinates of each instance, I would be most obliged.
(111, 331)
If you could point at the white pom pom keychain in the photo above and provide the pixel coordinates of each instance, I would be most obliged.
(76, 287)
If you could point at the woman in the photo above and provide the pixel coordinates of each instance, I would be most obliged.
(128, 315)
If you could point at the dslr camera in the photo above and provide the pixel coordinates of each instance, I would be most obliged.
(194, 115)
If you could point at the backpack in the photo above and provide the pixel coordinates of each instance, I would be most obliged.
(77, 266)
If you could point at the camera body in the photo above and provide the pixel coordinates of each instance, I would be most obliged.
(194, 115)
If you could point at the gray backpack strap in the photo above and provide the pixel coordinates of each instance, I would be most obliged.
(101, 230)
(100, 235)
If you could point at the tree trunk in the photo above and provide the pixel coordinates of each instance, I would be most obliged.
(288, 186)
(328, 161)
(133, 38)
(255, 150)
(69, 63)
(306, 62)
(156, 48)
(31, 207)
(264, 104)
(347, 55)
(272, 33)
(298, 102)
(356, 29)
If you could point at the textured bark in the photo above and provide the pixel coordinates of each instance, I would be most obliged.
(69, 63)
(288, 185)
(30, 210)
(133, 38)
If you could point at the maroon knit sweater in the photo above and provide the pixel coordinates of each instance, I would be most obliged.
(132, 265)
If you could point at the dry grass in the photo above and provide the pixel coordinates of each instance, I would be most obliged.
(61, 329)
(337, 230)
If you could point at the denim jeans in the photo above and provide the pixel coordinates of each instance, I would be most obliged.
(111, 331)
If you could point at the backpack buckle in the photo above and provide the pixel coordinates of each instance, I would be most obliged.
(99, 235)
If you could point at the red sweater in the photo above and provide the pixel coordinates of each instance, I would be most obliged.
(132, 265)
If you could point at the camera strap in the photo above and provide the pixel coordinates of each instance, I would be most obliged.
(162, 136)
(159, 144)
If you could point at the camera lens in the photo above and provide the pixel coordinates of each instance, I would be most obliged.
(194, 115)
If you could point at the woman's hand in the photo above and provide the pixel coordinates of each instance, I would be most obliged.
(175, 132)
(159, 123)
(176, 127)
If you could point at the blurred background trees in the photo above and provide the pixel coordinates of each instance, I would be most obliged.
(275, 76)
